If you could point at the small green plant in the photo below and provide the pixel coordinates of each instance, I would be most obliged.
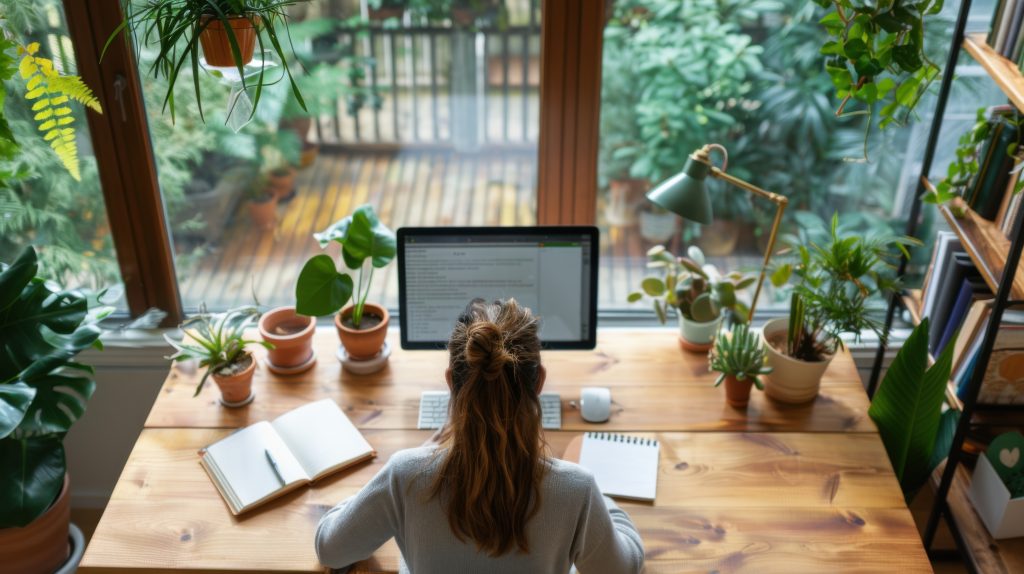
(173, 27)
(217, 341)
(739, 354)
(876, 56)
(321, 288)
(43, 389)
(836, 281)
(964, 166)
(691, 286)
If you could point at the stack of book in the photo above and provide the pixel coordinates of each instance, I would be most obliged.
(958, 304)
(1005, 37)
(990, 192)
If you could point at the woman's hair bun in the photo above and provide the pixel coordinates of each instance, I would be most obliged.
(485, 349)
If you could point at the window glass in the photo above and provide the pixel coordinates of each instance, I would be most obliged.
(41, 202)
(426, 110)
(749, 75)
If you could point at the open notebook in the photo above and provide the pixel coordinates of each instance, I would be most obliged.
(264, 461)
(623, 466)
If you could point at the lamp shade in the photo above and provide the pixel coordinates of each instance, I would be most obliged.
(685, 194)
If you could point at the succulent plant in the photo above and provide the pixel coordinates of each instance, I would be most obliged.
(739, 354)
(693, 287)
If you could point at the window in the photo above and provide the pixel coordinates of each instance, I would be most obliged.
(426, 110)
(41, 203)
(748, 75)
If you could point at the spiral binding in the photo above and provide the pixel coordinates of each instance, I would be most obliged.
(612, 437)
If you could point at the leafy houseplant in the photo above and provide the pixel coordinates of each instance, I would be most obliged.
(227, 30)
(696, 290)
(366, 245)
(837, 279)
(217, 341)
(876, 55)
(908, 411)
(43, 391)
(739, 358)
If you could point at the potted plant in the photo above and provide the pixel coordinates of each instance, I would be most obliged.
(380, 10)
(698, 293)
(43, 391)
(218, 342)
(291, 335)
(739, 358)
(262, 205)
(836, 282)
(366, 245)
(657, 224)
(228, 31)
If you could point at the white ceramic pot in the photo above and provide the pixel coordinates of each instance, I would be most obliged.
(791, 380)
(657, 227)
(699, 333)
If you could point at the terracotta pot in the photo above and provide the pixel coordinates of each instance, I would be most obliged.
(379, 14)
(699, 334)
(719, 238)
(791, 380)
(737, 393)
(625, 196)
(217, 46)
(307, 156)
(292, 337)
(42, 546)
(236, 388)
(281, 181)
(363, 344)
(264, 213)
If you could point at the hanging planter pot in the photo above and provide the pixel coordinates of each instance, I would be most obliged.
(217, 45)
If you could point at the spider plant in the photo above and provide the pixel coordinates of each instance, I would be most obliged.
(217, 341)
(174, 28)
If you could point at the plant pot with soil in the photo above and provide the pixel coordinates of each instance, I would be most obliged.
(43, 392)
(263, 208)
(217, 341)
(217, 35)
(836, 281)
(366, 245)
(739, 358)
(701, 296)
(291, 335)
(281, 181)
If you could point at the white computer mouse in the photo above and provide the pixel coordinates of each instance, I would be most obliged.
(595, 404)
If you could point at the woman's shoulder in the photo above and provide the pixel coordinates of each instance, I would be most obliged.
(568, 475)
(411, 460)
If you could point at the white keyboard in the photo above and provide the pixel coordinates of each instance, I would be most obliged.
(434, 410)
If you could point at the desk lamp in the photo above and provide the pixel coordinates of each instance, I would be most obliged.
(686, 195)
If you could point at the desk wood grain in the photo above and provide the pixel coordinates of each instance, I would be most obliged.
(728, 501)
(655, 387)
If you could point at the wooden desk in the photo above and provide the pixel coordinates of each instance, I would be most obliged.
(816, 495)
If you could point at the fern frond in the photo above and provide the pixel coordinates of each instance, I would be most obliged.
(49, 92)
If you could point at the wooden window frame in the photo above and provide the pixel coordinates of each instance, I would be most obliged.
(570, 101)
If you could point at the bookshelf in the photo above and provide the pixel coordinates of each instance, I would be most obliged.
(997, 258)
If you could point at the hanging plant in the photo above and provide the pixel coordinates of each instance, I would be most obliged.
(876, 57)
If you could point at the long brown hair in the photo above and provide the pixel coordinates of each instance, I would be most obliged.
(490, 475)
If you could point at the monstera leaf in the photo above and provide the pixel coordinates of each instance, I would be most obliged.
(43, 390)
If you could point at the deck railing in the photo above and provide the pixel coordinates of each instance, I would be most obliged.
(441, 86)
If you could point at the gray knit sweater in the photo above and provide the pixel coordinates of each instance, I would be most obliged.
(574, 525)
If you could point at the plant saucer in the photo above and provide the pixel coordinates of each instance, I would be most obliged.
(690, 347)
(367, 366)
(240, 403)
(293, 370)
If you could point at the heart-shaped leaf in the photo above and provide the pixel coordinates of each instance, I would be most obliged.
(320, 289)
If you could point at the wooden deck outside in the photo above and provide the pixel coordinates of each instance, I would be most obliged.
(429, 188)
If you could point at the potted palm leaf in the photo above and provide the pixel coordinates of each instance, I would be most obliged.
(697, 291)
(226, 31)
(366, 245)
(837, 281)
(739, 358)
(217, 341)
(43, 392)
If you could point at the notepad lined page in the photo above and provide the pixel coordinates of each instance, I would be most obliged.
(623, 466)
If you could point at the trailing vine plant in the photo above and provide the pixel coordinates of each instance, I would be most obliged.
(964, 166)
(876, 57)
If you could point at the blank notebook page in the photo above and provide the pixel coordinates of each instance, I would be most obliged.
(624, 466)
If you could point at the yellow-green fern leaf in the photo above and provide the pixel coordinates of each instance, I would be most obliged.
(51, 91)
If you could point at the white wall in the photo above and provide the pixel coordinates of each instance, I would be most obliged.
(128, 376)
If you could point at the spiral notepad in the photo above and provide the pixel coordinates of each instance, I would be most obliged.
(624, 466)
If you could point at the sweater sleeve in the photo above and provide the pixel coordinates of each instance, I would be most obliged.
(606, 539)
(359, 525)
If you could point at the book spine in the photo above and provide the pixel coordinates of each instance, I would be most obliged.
(1002, 164)
(1014, 30)
(997, 15)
